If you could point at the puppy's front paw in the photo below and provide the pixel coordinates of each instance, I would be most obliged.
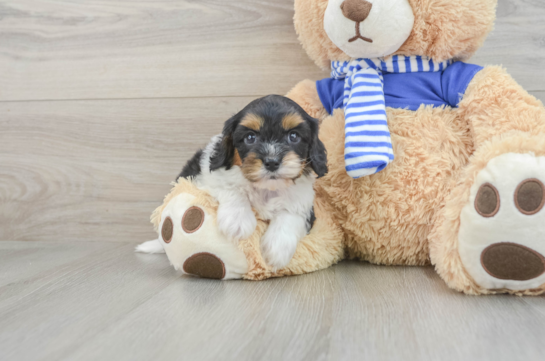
(278, 248)
(236, 222)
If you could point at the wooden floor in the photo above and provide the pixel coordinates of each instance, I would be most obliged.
(101, 103)
(101, 301)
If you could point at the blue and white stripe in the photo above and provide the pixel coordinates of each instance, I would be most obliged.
(368, 145)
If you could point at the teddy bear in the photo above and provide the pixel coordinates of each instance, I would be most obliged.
(432, 160)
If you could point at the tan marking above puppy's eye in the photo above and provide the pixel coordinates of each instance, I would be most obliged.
(291, 121)
(252, 121)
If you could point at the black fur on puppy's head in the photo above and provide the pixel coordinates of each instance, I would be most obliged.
(271, 139)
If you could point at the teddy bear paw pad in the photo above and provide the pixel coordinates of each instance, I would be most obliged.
(192, 220)
(502, 228)
(205, 265)
(511, 261)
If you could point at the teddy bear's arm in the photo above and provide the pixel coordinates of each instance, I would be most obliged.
(495, 104)
(306, 95)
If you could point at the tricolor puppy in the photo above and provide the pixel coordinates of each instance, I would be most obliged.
(267, 158)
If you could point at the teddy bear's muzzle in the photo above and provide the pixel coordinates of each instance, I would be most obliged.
(357, 11)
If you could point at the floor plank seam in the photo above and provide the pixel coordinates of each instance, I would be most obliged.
(123, 99)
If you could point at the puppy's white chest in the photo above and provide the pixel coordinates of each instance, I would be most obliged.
(266, 202)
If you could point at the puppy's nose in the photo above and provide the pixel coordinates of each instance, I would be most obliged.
(356, 10)
(271, 164)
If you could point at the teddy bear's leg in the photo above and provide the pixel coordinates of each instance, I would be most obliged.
(490, 236)
(306, 95)
(188, 233)
(187, 230)
(495, 104)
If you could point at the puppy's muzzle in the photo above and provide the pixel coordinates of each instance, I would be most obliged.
(271, 164)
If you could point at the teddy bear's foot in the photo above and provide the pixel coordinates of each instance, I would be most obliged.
(502, 228)
(500, 245)
(188, 232)
(190, 237)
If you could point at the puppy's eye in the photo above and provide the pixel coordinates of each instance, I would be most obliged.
(249, 138)
(294, 137)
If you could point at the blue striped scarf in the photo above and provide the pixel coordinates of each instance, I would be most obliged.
(367, 145)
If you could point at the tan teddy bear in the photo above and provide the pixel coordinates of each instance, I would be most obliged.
(431, 160)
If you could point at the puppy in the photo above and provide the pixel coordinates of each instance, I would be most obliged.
(266, 159)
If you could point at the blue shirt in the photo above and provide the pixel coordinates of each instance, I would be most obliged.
(410, 90)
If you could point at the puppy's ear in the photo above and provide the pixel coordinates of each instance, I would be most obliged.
(317, 151)
(224, 151)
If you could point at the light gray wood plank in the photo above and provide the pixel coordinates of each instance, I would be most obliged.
(119, 305)
(147, 49)
(518, 42)
(24, 260)
(391, 313)
(95, 170)
(63, 308)
(281, 319)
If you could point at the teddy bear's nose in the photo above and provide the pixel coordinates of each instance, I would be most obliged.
(356, 10)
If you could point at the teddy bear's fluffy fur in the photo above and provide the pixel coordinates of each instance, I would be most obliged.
(408, 214)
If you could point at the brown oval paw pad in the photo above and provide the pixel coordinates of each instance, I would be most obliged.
(192, 220)
(511, 261)
(167, 230)
(487, 202)
(529, 196)
(205, 265)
